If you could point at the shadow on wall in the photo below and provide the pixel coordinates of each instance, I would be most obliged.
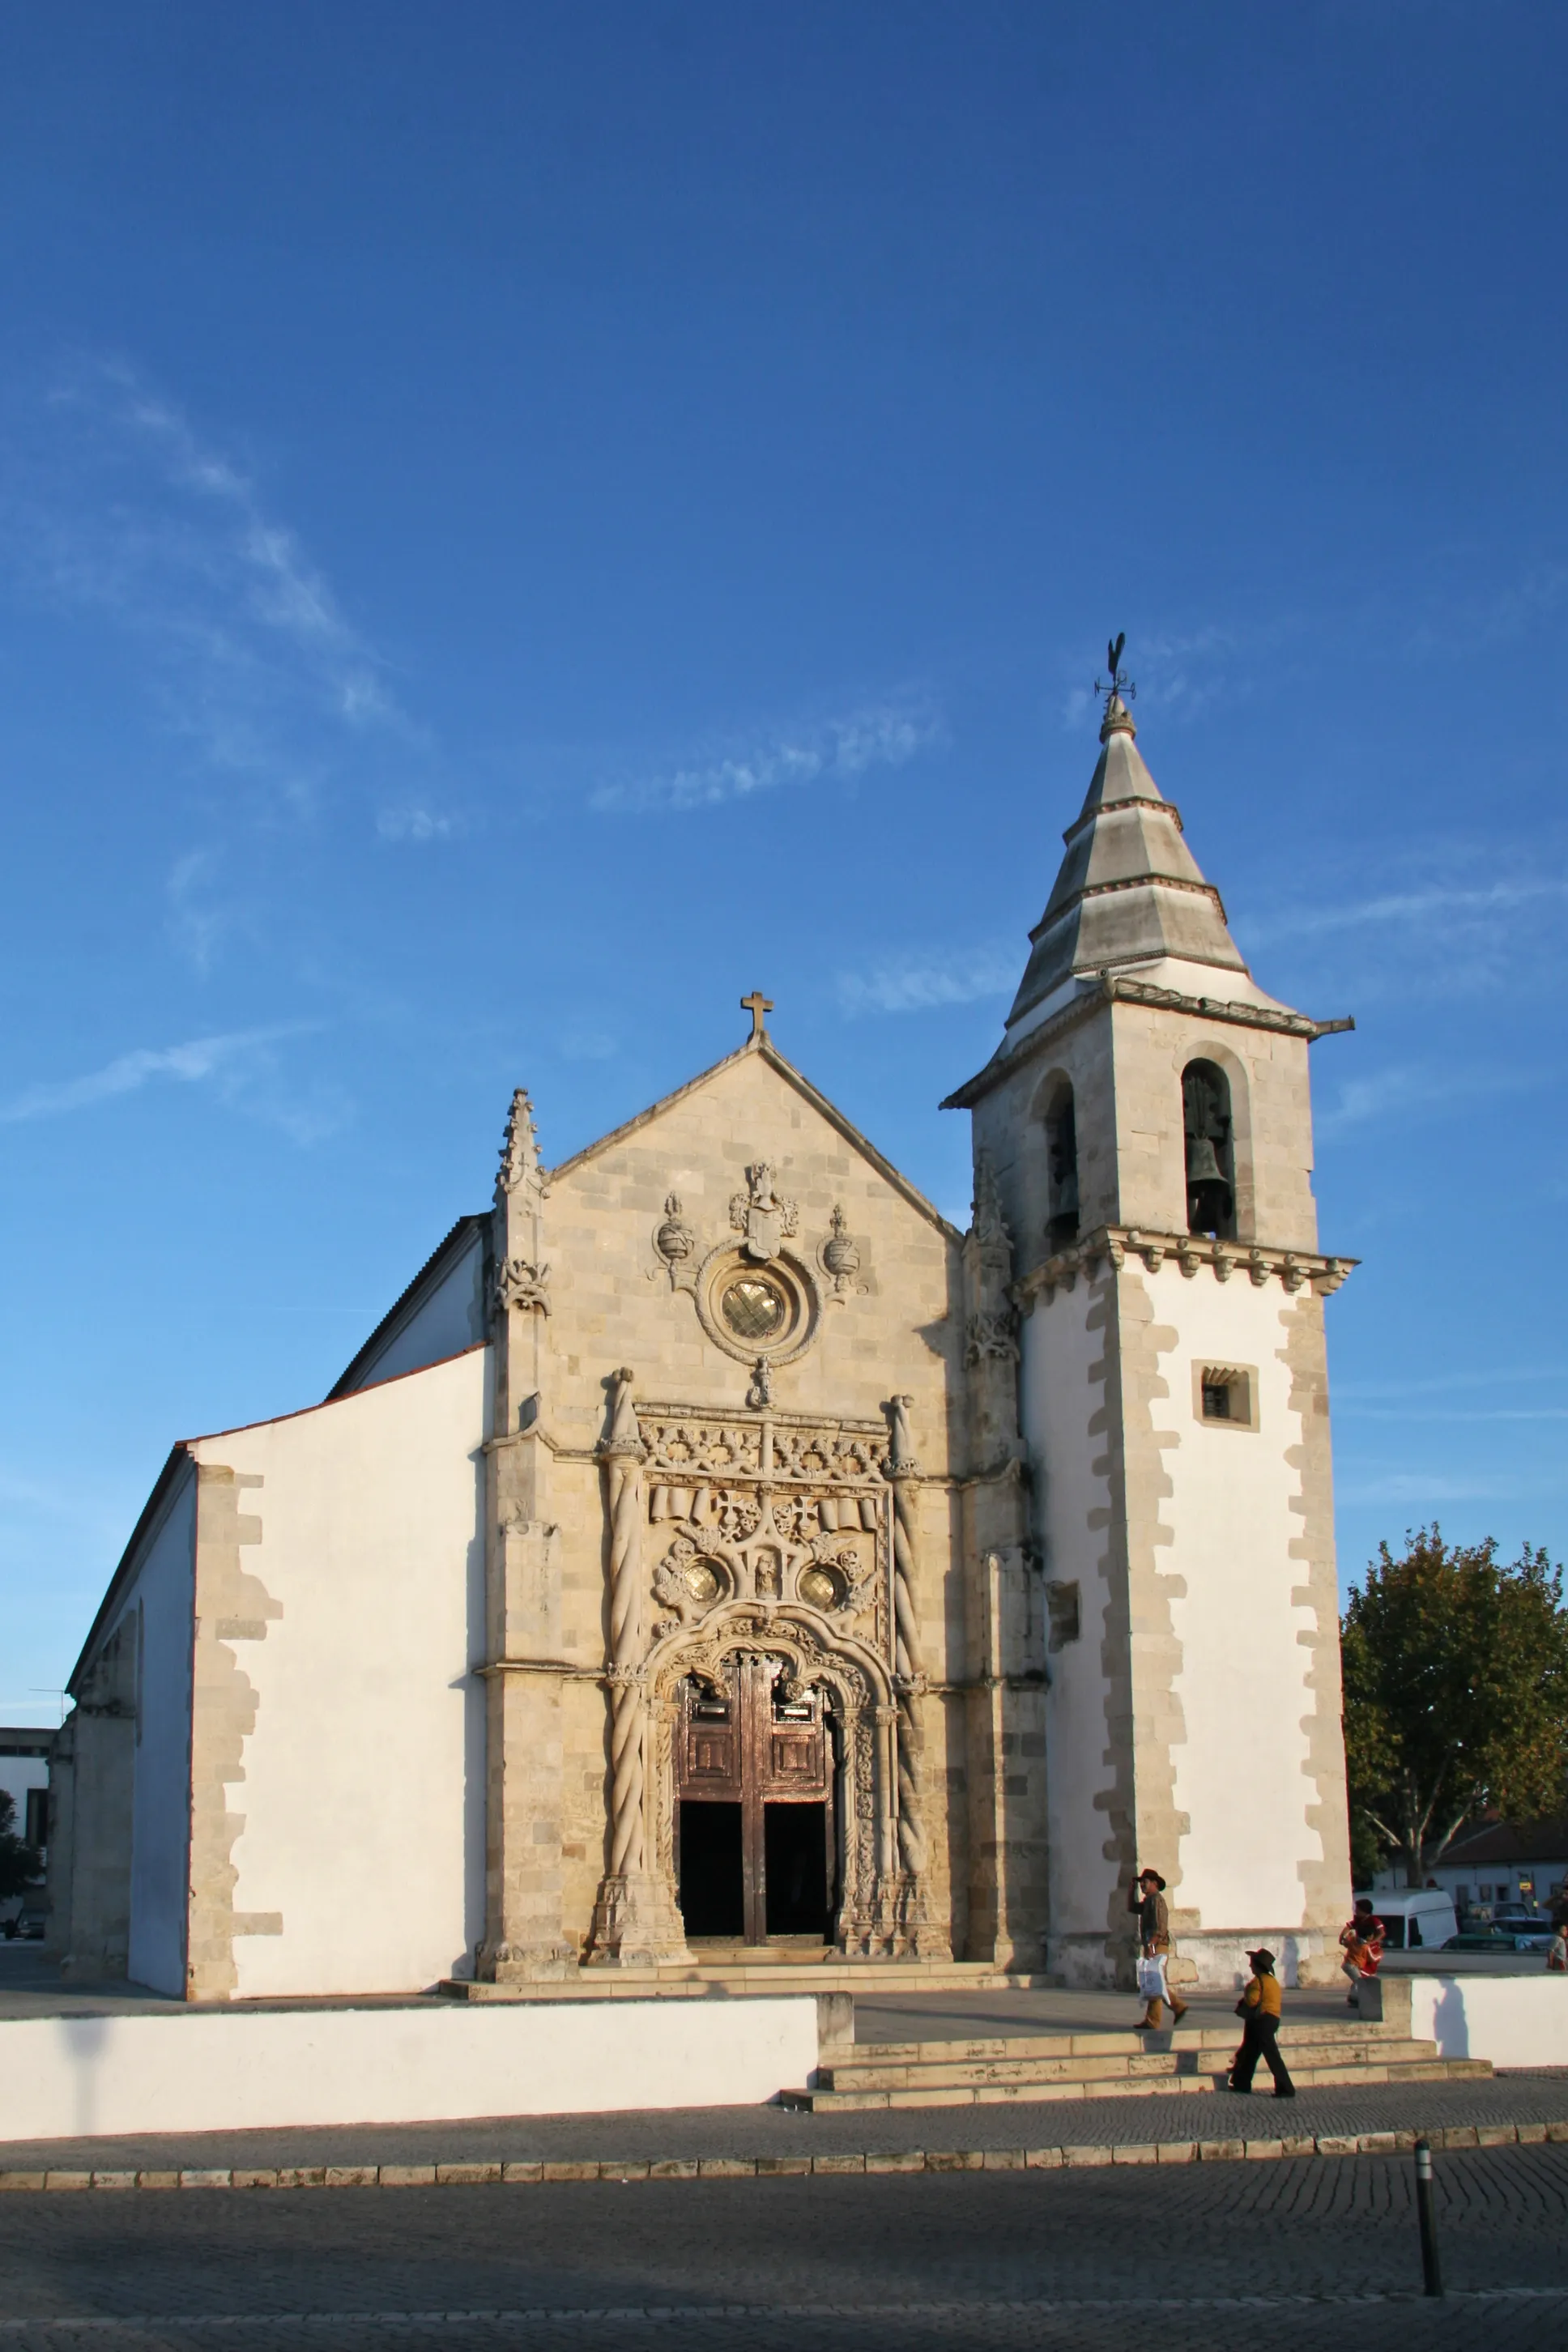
(85, 2041)
(1450, 2022)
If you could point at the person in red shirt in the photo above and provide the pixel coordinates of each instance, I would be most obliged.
(1362, 1941)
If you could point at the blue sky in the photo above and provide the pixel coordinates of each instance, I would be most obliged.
(518, 523)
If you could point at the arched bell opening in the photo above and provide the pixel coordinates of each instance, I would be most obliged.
(1061, 1168)
(1209, 1141)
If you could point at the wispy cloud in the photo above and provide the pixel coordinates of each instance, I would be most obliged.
(1416, 1088)
(1461, 620)
(1438, 905)
(1181, 672)
(242, 1066)
(1478, 1376)
(1421, 1489)
(415, 824)
(884, 734)
(1425, 1413)
(113, 503)
(1437, 931)
(921, 983)
(170, 535)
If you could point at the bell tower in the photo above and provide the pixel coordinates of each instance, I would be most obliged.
(1147, 1124)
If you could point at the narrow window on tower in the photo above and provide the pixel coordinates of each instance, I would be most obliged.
(1211, 1170)
(1061, 1167)
(1225, 1396)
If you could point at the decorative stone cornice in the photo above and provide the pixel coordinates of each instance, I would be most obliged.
(1126, 801)
(1110, 1247)
(1110, 988)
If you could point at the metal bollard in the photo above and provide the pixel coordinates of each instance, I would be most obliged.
(1431, 2269)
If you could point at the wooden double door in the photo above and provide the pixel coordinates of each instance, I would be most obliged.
(756, 1840)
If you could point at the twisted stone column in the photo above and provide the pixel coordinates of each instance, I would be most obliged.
(624, 1454)
(903, 1470)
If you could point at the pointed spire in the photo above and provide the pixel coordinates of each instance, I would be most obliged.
(519, 1162)
(1129, 890)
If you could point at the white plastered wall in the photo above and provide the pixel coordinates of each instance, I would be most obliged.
(1059, 1401)
(450, 1319)
(1242, 1682)
(362, 1794)
(160, 1599)
(257, 2069)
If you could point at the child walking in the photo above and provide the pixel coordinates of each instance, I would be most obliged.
(1260, 2007)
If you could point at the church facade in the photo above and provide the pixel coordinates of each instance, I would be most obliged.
(715, 1547)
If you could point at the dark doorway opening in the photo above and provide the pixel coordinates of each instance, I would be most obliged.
(794, 1847)
(712, 1889)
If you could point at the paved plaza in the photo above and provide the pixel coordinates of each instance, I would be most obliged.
(1307, 2253)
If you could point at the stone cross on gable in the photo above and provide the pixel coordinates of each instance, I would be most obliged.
(757, 1004)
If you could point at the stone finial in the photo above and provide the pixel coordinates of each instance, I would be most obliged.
(840, 1257)
(1118, 720)
(520, 1162)
(674, 1240)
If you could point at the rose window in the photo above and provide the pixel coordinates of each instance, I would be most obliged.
(754, 1309)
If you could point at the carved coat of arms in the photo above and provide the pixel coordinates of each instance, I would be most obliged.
(764, 1215)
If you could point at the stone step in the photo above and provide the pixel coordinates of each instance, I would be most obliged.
(679, 1981)
(1336, 2031)
(1209, 2081)
(880, 2072)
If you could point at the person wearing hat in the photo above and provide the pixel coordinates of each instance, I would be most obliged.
(1146, 1901)
(1259, 2010)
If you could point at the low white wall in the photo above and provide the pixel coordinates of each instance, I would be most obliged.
(1511, 2021)
(70, 2077)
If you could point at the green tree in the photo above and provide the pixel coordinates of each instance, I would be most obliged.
(1456, 1673)
(20, 1864)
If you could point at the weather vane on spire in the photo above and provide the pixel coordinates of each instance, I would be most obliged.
(1118, 687)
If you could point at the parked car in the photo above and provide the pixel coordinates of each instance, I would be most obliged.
(1494, 1938)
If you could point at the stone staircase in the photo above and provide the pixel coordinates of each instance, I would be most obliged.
(1107, 2065)
(756, 1969)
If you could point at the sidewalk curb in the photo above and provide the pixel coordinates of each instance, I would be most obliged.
(769, 2168)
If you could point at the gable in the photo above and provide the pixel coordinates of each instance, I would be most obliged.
(644, 1231)
(764, 1050)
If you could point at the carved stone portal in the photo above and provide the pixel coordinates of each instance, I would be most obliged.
(775, 1537)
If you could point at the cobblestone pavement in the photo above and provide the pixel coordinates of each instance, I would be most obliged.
(654, 2133)
(1297, 2254)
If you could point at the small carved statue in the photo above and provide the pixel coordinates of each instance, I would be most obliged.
(900, 1450)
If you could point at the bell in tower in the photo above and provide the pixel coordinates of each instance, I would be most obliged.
(1207, 1135)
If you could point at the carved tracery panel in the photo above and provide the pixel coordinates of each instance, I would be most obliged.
(769, 1507)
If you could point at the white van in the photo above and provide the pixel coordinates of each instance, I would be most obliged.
(1418, 1919)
